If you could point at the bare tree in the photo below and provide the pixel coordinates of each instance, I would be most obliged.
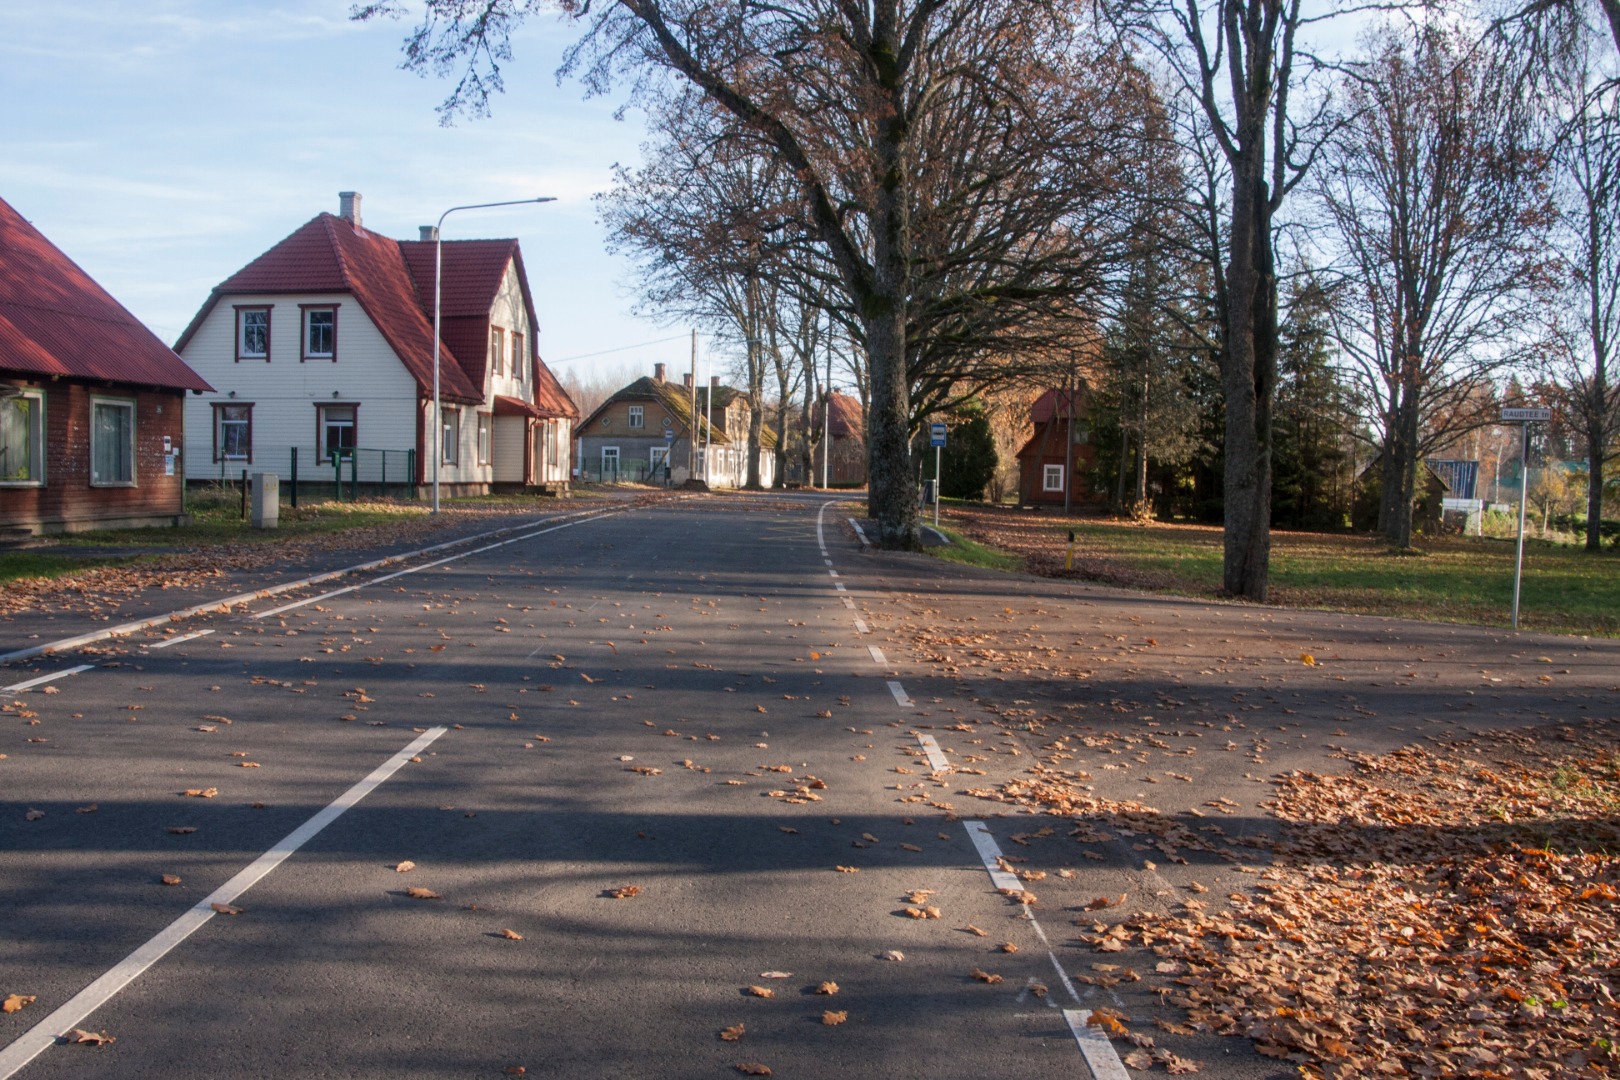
(950, 157)
(1240, 61)
(1436, 219)
(1585, 333)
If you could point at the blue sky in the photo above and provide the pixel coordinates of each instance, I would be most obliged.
(165, 143)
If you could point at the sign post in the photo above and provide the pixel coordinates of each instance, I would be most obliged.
(936, 439)
(1524, 418)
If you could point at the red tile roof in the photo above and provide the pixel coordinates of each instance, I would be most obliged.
(847, 419)
(55, 320)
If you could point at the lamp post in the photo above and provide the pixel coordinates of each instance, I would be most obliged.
(438, 266)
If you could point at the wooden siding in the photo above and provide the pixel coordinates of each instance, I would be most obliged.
(66, 501)
(285, 390)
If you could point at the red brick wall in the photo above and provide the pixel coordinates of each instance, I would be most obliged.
(67, 501)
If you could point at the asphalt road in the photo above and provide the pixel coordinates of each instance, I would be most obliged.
(674, 703)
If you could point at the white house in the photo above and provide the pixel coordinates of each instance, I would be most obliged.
(323, 347)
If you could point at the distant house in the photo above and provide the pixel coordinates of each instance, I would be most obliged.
(1048, 467)
(92, 404)
(649, 424)
(841, 457)
(323, 345)
(1428, 502)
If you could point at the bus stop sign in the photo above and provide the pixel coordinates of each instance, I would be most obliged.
(936, 434)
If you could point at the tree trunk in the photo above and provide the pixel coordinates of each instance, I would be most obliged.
(1248, 376)
(1594, 479)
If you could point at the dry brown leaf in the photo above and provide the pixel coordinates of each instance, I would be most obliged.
(170, 879)
(985, 977)
(226, 909)
(201, 793)
(732, 1033)
(417, 892)
(515, 1070)
(625, 892)
(753, 1068)
(89, 808)
(760, 991)
(86, 1038)
(34, 815)
(893, 954)
(15, 1002)
(833, 1019)
(1008, 947)
(974, 930)
(1138, 1059)
(511, 935)
(405, 867)
(828, 988)
(182, 830)
(1110, 1021)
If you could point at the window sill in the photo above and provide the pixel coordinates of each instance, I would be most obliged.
(113, 484)
(22, 483)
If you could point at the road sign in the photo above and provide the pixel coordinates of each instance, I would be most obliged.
(936, 434)
(1520, 415)
(669, 435)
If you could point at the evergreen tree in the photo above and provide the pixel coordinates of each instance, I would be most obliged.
(969, 458)
(1311, 486)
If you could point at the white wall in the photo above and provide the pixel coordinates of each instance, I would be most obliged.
(285, 391)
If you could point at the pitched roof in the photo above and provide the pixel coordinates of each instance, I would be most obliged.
(674, 399)
(847, 420)
(55, 319)
(330, 254)
(473, 271)
(550, 397)
(1056, 404)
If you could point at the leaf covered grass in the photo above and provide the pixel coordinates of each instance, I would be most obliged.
(1452, 579)
(30, 566)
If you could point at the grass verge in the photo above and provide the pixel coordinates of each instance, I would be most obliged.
(28, 566)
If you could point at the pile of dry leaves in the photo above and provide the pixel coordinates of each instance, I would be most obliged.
(1431, 913)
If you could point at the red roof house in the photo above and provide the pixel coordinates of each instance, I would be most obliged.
(1048, 467)
(91, 402)
(841, 459)
(322, 349)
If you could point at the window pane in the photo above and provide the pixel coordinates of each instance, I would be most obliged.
(111, 437)
(255, 340)
(320, 332)
(19, 438)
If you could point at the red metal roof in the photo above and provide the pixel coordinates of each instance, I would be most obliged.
(55, 320)
(511, 406)
(473, 271)
(1055, 403)
(846, 420)
(549, 395)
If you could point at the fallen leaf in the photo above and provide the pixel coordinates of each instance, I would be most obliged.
(417, 892)
(893, 954)
(182, 830)
(86, 1038)
(34, 815)
(511, 935)
(1138, 1059)
(731, 1034)
(405, 867)
(760, 991)
(14, 1002)
(974, 930)
(515, 1070)
(833, 1019)
(226, 909)
(776, 974)
(170, 879)
(88, 809)
(847, 869)
(753, 1068)
(1008, 947)
(201, 793)
(829, 988)
(986, 977)
(625, 892)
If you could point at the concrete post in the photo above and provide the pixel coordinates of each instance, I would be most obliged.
(266, 500)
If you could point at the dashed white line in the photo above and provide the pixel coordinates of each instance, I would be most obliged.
(899, 693)
(860, 624)
(834, 573)
(1100, 1055)
(839, 585)
(194, 635)
(990, 855)
(39, 1037)
(936, 757)
(848, 602)
(877, 656)
(860, 532)
(43, 679)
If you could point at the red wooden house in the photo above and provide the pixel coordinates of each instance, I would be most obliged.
(91, 402)
(1047, 466)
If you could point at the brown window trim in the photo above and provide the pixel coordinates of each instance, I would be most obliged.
(303, 331)
(478, 451)
(236, 330)
(320, 424)
(218, 405)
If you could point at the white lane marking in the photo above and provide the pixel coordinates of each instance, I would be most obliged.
(226, 603)
(860, 532)
(821, 532)
(826, 560)
(839, 585)
(877, 656)
(428, 566)
(177, 640)
(43, 679)
(848, 602)
(990, 855)
(936, 757)
(834, 573)
(1101, 1057)
(86, 1001)
(899, 693)
(860, 624)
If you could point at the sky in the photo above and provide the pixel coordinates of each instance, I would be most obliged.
(164, 144)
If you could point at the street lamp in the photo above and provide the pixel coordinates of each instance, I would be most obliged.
(438, 266)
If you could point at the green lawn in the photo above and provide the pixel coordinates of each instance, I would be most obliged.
(1454, 579)
(20, 565)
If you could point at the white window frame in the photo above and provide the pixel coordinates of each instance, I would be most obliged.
(637, 417)
(242, 311)
(324, 423)
(486, 438)
(309, 312)
(450, 436)
(497, 348)
(610, 453)
(519, 367)
(35, 440)
(1051, 477)
(127, 405)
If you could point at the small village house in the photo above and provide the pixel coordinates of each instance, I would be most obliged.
(839, 459)
(1057, 459)
(92, 404)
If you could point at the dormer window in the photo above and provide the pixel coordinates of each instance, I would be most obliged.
(253, 333)
(320, 331)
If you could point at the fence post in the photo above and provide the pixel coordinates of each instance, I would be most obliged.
(354, 475)
(385, 474)
(244, 494)
(295, 477)
(337, 476)
(410, 471)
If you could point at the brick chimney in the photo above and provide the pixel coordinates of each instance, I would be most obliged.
(658, 373)
(714, 382)
(428, 233)
(686, 379)
(349, 207)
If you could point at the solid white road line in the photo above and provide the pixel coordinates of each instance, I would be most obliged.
(43, 679)
(43, 1034)
(177, 640)
(1101, 1057)
(899, 693)
(429, 565)
(990, 855)
(860, 532)
(877, 656)
(226, 603)
(936, 757)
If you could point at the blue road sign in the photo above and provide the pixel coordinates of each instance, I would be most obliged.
(936, 434)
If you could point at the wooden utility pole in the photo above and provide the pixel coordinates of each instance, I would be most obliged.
(691, 426)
